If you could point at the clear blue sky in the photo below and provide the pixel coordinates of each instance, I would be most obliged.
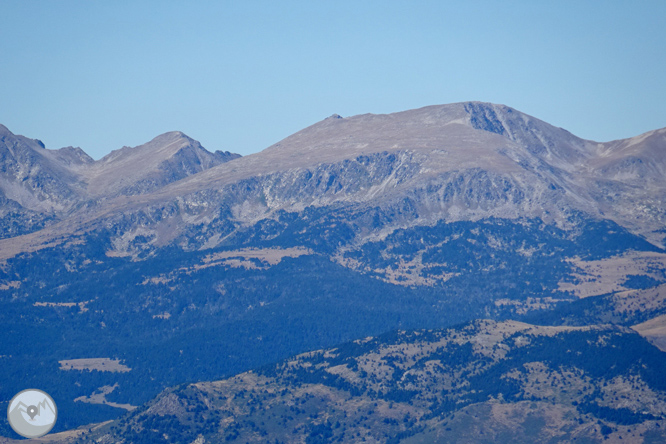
(241, 75)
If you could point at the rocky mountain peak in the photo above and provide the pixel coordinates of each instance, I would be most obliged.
(5, 132)
(9, 139)
(166, 158)
(34, 178)
(164, 144)
(71, 155)
(170, 137)
(468, 131)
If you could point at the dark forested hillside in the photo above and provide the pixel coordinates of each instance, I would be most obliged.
(483, 382)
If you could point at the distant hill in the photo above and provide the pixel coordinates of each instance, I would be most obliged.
(483, 382)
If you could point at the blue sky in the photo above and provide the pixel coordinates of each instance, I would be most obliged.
(242, 75)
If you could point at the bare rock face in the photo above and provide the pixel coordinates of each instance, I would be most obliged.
(34, 177)
(36, 184)
(555, 145)
(72, 156)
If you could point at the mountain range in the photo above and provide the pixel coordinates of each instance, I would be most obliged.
(453, 162)
(184, 265)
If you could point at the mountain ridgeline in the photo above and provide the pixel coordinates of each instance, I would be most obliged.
(167, 264)
(41, 187)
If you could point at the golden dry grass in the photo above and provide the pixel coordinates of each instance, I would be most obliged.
(99, 364)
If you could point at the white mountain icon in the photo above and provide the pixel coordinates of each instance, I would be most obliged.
(32, 413)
